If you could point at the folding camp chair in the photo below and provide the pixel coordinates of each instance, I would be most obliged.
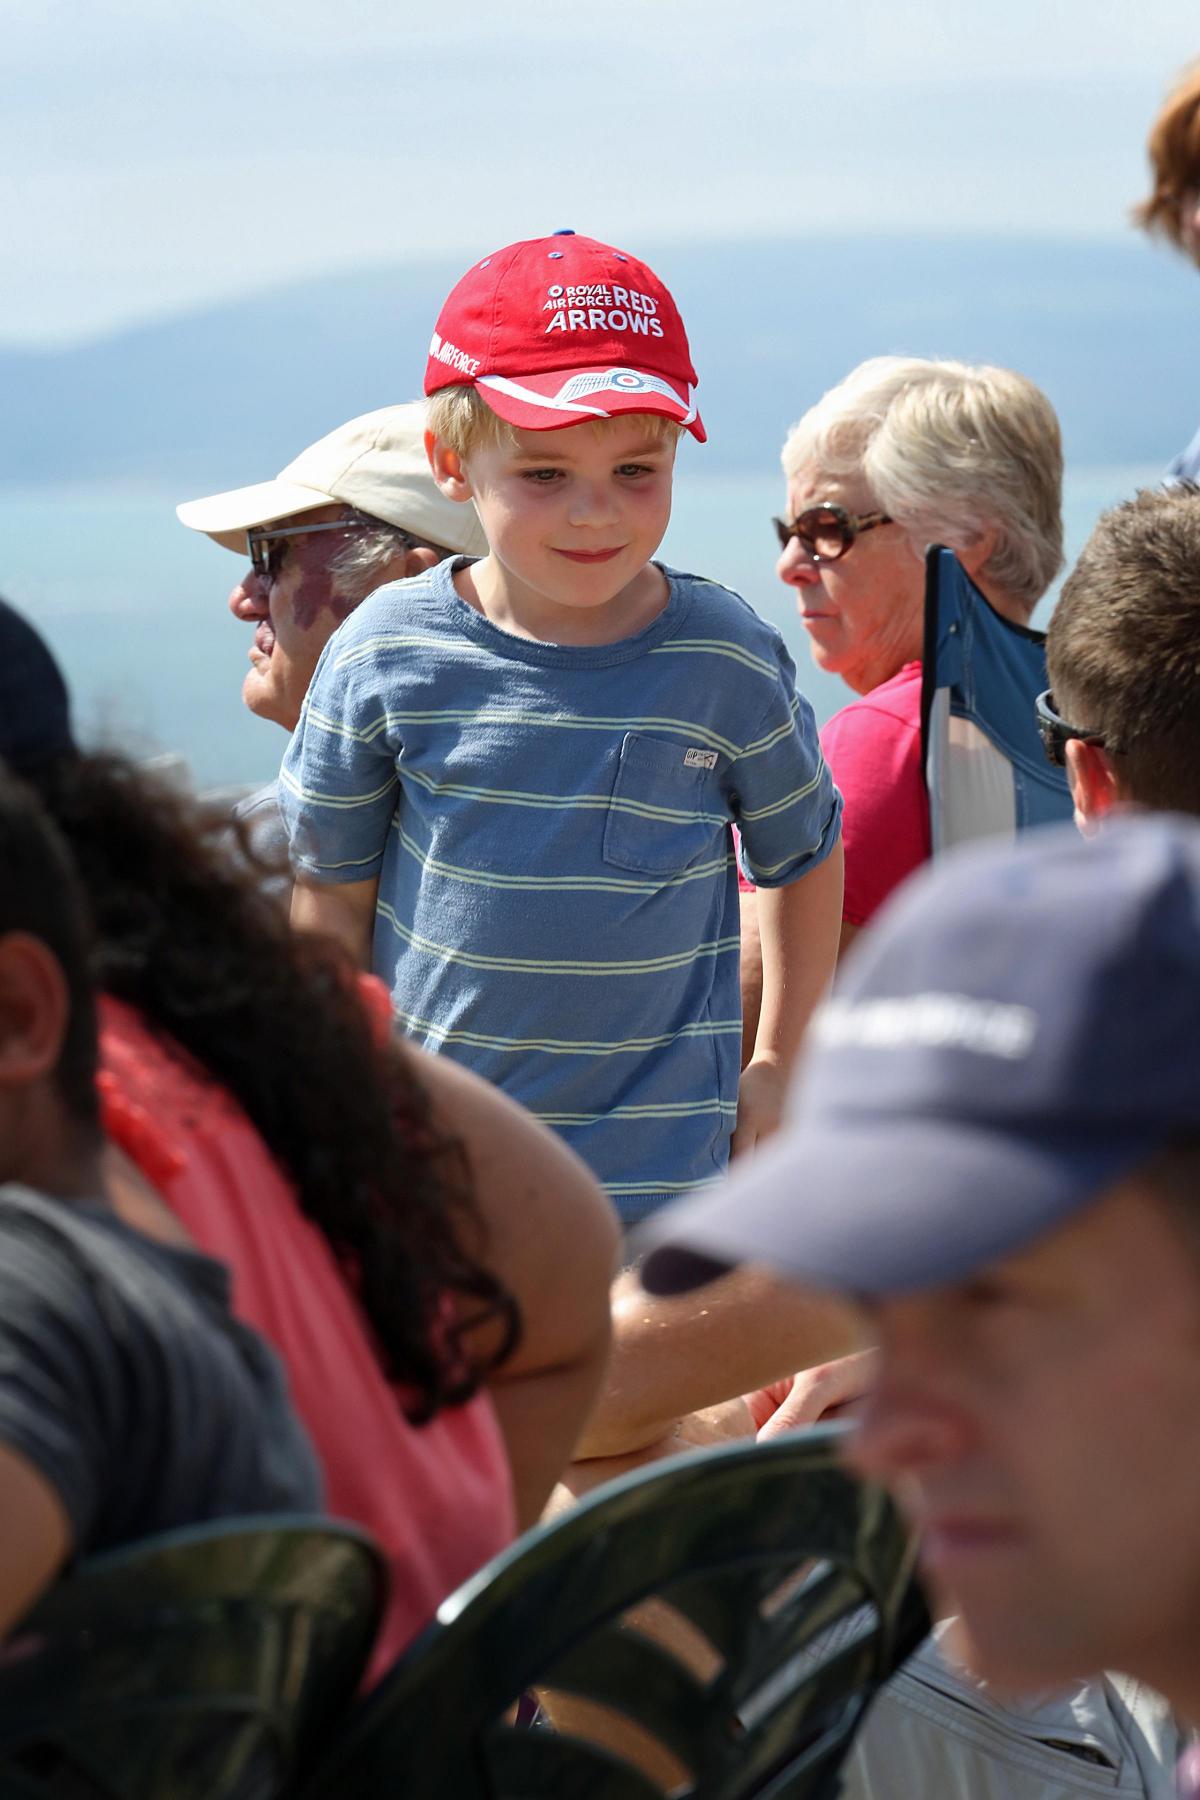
(985, 768)
(198, 1665)
(781, 1598)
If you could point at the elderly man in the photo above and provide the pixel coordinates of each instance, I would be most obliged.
(993, 1144)
(355, 510)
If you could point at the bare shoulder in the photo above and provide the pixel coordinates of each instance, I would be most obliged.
(552, 1240)
(524, 1175)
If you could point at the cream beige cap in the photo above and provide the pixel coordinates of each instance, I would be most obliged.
(376, 463)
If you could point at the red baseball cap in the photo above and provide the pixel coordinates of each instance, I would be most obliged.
(557, 330)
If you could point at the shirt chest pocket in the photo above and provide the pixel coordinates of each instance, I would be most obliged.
(667, 810)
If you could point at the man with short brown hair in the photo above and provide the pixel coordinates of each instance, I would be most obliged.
(993, 1144)
(1123, 655)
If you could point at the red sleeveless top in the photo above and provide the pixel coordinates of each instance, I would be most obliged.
(437, 1497)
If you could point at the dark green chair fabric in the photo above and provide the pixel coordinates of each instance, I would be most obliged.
(794, 1583)
(199, 1665)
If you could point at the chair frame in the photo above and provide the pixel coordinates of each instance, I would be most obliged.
(239, 1641)
(713, 1534)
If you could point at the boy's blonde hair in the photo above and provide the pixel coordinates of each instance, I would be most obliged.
(461, 420)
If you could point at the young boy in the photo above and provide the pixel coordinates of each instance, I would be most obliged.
(512, 785)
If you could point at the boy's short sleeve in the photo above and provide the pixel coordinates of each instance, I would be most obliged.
(337, 785)
(786, 807)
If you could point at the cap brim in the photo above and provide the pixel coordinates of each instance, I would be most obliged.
(571, 396)
(226, 518)
(881, 1207)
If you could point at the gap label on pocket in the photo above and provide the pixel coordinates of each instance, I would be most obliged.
(699, 759)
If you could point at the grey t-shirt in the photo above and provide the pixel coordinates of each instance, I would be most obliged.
(262, 821)
(126, 1381)
(260, 813)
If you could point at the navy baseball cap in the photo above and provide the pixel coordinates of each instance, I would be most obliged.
(35, 712)
(1019, 1029)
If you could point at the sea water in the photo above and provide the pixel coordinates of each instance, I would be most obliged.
(134, 605)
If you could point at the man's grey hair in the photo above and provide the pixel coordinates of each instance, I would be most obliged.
(362, 564)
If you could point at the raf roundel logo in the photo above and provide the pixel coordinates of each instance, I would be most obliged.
(628, 380)
(555, 290)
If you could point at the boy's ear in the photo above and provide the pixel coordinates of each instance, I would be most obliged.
(1095, 788)
(449, 472)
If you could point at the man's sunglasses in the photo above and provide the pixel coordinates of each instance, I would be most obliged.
(260, 544)
(1055, 732)
(826, 531)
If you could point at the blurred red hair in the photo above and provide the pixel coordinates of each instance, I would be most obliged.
(1174, 148)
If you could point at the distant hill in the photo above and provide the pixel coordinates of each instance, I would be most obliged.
(214, 398)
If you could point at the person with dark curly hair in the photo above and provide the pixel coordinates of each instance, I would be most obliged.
(403, 1235)
(131, 1400)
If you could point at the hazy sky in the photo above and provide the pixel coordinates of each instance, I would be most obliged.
(154, 158)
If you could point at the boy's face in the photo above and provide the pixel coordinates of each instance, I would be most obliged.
(572, 517)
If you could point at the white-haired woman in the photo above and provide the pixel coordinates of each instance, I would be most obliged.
(903, 453)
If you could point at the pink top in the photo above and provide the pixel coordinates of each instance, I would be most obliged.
(873, 748)
(437, 1497)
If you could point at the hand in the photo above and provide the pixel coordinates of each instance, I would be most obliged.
(822, 1392)
(760, 1105)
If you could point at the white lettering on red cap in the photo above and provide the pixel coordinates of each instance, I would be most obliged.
(595, 306)
(452, 356)
(600, 318)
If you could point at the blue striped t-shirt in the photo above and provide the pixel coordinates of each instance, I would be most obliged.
(550, 826)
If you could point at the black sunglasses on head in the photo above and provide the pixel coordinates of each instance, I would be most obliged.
(1055, 732)
(827, 530)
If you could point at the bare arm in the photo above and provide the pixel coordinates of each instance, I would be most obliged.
(751, 973)
(36, 1540)
(752, 968)
(344, 910)
(680, 1355)
(799, 927)
(552, 1239)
